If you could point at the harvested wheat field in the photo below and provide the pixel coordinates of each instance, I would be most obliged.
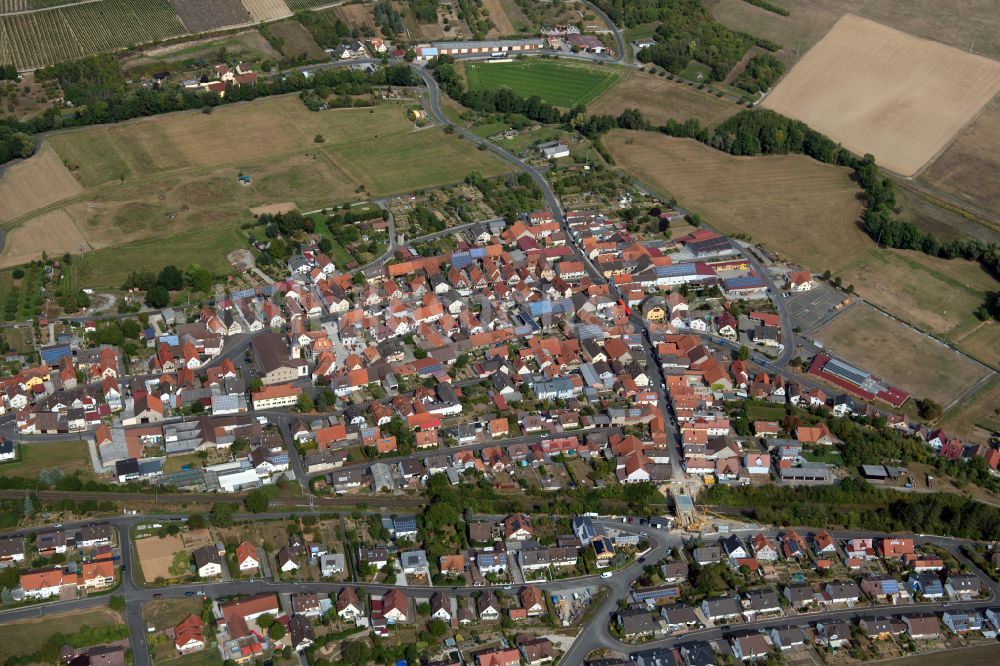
(902, 356)
(267, 10)
(53, 232)
(877, 90)
(659, 100)
(20, 192)
(970, 167)
(792, 204)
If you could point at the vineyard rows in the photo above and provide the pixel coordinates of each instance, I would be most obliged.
(43, 38)
(296, 5)
(7, 6)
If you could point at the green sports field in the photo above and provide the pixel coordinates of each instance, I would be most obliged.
(558, 83)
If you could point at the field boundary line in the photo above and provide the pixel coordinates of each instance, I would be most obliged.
(39, 10)
(946, 343)
(930, 162)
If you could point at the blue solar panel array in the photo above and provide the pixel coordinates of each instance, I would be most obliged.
(52, 355)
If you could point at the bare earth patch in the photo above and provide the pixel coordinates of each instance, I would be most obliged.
(156, 555)
(20, 190)
(904, 357)
(501, 22)
(660, 100)
(52, 232)
(274, 209)
(881, 91)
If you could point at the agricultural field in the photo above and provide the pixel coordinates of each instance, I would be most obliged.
(960, 23)
(293, 40)
(737, 194)
(27, 636)
(558, 83)
(45, 37)
(19, 190)
(660, 100)
(69, 457)
(903, 357)
(53, 232)
(159, 183)
(970, 167)
(817, 203)
(936, 295)
(200, 16)
(979, 415)
(267, 10)
(904, 110)
(932, 216)
(296, 5)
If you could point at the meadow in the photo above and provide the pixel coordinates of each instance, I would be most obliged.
(165, 190)
(807, 213)
(738, 194)
(558, 83)
(33, 458)
(903, 357)
(660, 99)
(979, 415)
(27, 636)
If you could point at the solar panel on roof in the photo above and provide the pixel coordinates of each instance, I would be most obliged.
(845, 371)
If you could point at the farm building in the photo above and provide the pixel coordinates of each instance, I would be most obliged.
(483, 47)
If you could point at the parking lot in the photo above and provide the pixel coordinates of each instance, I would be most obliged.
(811, 309)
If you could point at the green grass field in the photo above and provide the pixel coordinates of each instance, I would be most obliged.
(696, 71)
(558, 83)
(164, 189)
(108, 268)
(33, 458)
(21, 638)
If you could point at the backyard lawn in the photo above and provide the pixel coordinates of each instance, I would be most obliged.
(33, 458)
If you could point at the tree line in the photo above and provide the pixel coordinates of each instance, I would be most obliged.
(758, 131)
(687, 31)
(854, 503)
(97, 90)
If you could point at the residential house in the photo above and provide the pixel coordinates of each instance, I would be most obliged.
(488, 607)
(189, 635)
(207, 562)
(396, 607)
(247, 558)
(750, 646)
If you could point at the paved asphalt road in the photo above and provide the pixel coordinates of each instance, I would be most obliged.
(597, 636)
(619, 584)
